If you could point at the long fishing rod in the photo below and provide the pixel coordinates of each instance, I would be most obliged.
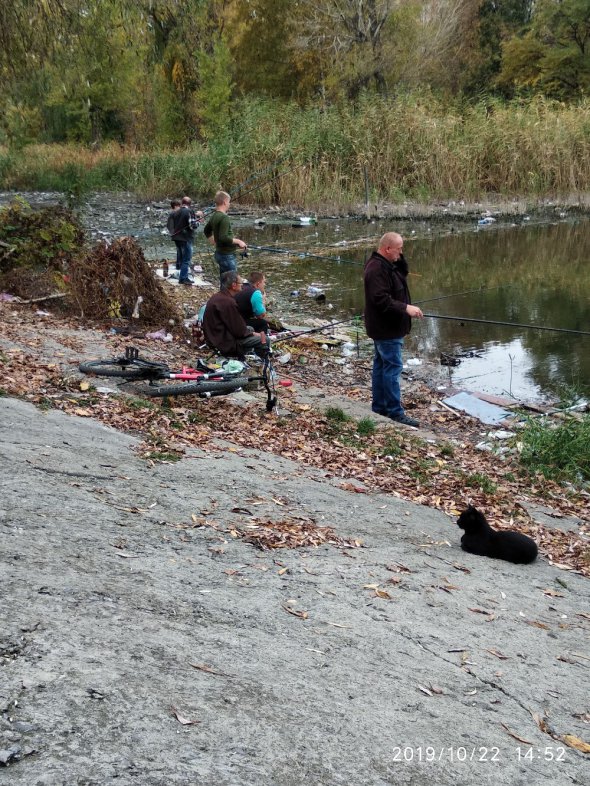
(508, 324)
(237, 190)
(297, 333)
(457, 294)
(301, 254)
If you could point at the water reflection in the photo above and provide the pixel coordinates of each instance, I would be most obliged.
(537, 275)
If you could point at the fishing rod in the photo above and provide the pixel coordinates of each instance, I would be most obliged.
(237, 190)
(457, 294)
(508, 324)
(301, 254)
(296, 334)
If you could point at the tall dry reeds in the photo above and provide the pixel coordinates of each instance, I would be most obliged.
(412, 146)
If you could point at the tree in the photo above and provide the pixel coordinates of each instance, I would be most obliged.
(553, 56)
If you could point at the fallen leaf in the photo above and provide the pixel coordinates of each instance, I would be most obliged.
(576, 742)
(379, 593)
(553, 593)
(181, 719)
(425, 690)
(301, 614)
(499, 655)
(537, 624)
(516, 736)
(209, 670)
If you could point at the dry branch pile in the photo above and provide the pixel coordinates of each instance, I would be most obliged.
(109, 280)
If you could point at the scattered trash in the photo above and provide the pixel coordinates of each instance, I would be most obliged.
(160, 335)
(260, 221)
(313, 291)
(295, 293)
(138, 302)
(413, 362)
(487, 413)
(486, 220)
(43, 313)
(284, 359)
(501, 434)
(321, 298)
(7, 297)
(285, 383)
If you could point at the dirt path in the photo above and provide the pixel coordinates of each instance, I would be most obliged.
(118, 575)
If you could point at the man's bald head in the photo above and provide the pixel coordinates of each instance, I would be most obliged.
(391, 246)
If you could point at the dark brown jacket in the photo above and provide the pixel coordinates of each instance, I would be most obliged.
(386, 298)
(223, 325)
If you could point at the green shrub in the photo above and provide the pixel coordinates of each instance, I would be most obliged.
(366, 427)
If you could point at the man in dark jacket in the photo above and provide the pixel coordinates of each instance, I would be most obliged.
(179, 221)
(224, 326)
(388, 313)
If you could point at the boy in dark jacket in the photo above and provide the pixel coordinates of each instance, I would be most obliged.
(388, 312)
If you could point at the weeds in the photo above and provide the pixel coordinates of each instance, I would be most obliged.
(452, 149)
(558, 451)
(366, 427)
(336, 415)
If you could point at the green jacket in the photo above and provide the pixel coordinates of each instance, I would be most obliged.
(220, 227)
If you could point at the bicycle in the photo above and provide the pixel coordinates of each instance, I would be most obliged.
(201, 380)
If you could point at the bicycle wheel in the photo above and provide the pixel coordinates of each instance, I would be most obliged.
(210, 387)
(121, 367)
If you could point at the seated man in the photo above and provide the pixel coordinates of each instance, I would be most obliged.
(251, 303)
(224, 326)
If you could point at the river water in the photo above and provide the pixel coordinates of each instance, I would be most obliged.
(534, 272)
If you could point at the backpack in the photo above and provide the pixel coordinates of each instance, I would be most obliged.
(193, 221)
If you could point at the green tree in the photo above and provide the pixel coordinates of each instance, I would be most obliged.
(553, 56)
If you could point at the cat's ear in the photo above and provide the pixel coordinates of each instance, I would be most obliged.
(471, 509)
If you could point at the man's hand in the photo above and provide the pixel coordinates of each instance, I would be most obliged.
(239, 243)
(414, 311)
(262, 337)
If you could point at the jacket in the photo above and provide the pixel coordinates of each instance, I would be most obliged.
(386, 298)
(223, 325)
(244, 301)
(181, 221)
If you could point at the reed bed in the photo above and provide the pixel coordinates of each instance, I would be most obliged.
(412, 146)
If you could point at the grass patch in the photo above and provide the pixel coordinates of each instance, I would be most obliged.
(139, 403)
(366, 427)
(558, 451)
(391, 447)
(447, 450)
(479, 481)
(337, 415)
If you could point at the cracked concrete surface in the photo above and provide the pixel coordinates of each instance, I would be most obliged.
(112, 597)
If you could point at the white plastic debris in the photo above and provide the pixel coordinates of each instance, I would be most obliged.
(413, 362)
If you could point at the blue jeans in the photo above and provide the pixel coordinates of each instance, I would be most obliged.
(178, 245)
(387, 369)
(226, 262)
(186, 250)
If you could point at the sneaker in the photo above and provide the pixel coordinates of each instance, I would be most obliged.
(379, 412)
(405, 420)
(187, 282)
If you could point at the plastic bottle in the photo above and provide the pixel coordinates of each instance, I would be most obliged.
(165, 268)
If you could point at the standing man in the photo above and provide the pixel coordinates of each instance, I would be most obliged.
(175, 207)
(196, 216)
(251, 301)
(182, 234)
(219, 232)
(388, 313)
(224, 326)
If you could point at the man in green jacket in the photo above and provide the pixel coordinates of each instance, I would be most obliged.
(219, 232)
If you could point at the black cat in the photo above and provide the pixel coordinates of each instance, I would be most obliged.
(480, 538)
